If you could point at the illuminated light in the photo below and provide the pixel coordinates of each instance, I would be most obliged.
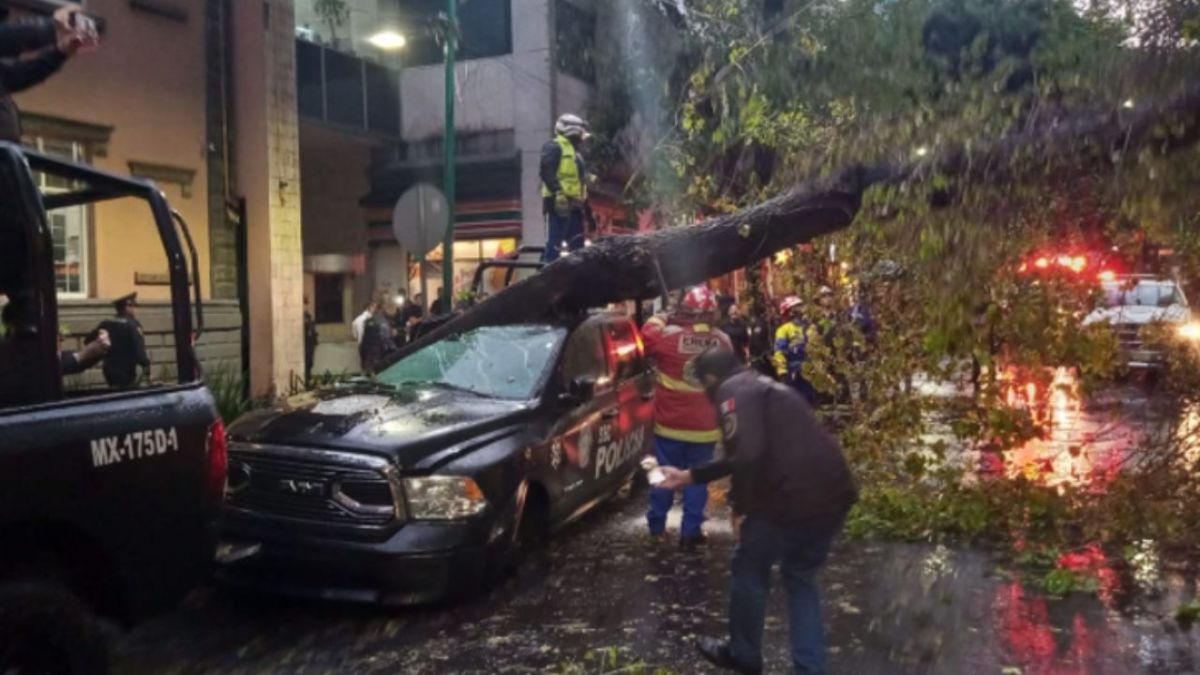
(1064, 261)
(1023, 267)
(388, 40)
(1190, 331)
(1042, 263)
(1128, 104)
(587, 242)
(1108, 275)
(921, 151)
(1078, 264)
(783, 257)
(472, 490)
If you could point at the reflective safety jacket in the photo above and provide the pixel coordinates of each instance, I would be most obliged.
(791, 347)
(562, 170)
(682, 410)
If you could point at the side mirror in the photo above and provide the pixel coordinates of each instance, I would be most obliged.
(581, 390)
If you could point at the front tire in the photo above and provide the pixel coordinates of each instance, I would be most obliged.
(45, 630)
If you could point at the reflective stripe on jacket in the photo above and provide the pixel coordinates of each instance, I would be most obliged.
(682, 410)
(791, 347)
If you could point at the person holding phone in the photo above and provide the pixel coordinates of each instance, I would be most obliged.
(51, 41)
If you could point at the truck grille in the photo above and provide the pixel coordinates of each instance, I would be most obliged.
(1129, 335)
(310, 489)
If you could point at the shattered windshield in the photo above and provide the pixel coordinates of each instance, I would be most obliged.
(1143, 294)
(494, 361)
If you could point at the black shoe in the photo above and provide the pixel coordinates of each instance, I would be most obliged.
(717, 653)
(692, 543)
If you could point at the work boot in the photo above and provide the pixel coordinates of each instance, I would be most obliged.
(717, 653)
(690, 544)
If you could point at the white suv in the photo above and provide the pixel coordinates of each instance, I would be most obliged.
(1130, 303)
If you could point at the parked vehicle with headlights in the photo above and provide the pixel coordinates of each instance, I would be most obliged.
(1131, 304)
(426, 481)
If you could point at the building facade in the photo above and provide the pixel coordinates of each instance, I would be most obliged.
(132, 115)
(372, 124)
(284, 136)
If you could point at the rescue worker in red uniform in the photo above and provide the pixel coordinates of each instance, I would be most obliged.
(686, 428)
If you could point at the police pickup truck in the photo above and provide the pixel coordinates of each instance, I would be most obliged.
(108, 497)
(423, 482)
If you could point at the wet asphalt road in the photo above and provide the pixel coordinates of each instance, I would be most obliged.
(890, 608)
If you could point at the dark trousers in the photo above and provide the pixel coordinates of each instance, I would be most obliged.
(800, 550)
(566, 230)
(803, 387)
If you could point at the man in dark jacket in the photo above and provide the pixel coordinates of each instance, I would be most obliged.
(53, 39)
(128, 351)
(733, 325)
(792, 485)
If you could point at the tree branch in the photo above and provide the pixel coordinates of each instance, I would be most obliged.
(622, 268)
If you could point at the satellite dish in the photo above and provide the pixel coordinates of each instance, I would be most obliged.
(421, 218)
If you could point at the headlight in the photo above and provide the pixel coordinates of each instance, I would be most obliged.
(1190, 331)
(443, 497)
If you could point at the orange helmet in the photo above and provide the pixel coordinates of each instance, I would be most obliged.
(699, 300)
(789, 303)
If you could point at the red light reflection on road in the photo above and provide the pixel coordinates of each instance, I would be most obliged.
(1040, 642)
(1076, 449)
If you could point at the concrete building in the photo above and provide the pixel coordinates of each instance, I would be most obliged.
(285, 137)
(130, 114)
(521, 64)
(162, 100)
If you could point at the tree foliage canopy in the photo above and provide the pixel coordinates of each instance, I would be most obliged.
(763, 95)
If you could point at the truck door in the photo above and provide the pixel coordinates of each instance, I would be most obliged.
(576, 446)
(627, 434)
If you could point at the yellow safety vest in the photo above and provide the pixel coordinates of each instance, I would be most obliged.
(568, 172)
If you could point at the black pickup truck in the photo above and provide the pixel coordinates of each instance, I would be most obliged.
(108, 498)
(423, 482)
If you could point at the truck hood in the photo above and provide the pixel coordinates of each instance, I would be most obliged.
(1138, 315)
(405, 425)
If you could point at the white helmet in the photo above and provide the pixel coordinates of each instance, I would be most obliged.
(572, 126)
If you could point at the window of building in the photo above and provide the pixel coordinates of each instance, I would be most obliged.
(485, 30)
(68, 226)
(329, 298)
(575, 40)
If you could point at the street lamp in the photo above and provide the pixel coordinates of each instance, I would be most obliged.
(388, 40)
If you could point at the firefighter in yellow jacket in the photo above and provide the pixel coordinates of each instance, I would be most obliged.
(791, 348)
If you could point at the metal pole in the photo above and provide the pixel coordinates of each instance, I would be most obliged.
(448, 175)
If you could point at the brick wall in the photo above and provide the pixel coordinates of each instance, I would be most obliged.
(219, 348)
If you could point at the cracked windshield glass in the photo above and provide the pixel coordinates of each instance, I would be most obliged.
(507, 362)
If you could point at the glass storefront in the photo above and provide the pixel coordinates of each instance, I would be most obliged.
(467, 256)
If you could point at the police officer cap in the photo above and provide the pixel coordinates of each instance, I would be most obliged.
(125, 300)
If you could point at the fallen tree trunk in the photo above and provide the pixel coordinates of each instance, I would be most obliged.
(624, 268)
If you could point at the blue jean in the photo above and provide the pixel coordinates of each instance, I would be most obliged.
(800, 550)
(563, 229)
(682, 455)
